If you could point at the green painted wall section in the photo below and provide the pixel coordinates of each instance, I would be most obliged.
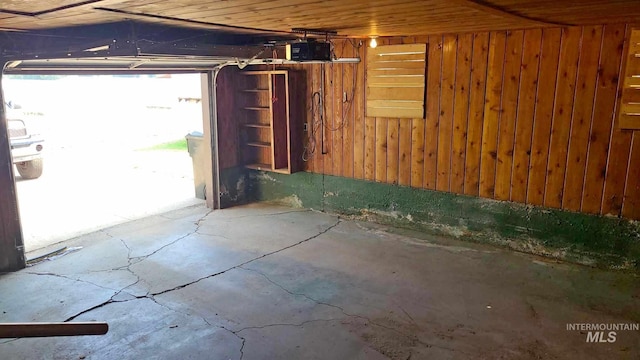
(587, 239)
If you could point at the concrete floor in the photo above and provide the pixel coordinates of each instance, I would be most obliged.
(267, 282)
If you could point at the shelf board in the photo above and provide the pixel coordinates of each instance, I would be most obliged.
(254, 90)
(259, 126)
(266, 167)
(256, 108)
(259, 144)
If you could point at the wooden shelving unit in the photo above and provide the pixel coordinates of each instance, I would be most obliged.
(269, 121)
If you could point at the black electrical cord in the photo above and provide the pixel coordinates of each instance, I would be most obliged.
(318, 107)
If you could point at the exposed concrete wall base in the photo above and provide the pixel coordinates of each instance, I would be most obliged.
(606, 242)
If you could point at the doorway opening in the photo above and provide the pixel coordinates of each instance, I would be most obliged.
(115, 149)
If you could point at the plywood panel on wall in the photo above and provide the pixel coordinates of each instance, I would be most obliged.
(561, 121)
(434, 83)
(358, 119)
(508, 113)
(545, 93)
(228, 118)
(525, 116)
(461, 112)
(476, 113)
(601, 123)
(581, 117)
(445, 128)
(492, 110)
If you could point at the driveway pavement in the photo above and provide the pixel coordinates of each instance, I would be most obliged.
(80, 193)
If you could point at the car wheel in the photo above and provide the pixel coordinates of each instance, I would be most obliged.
(30, 169)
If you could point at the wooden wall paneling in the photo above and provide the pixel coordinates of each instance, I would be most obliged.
(509, 107)
(404, 162)
(447, 94)
(317, 159)
(348, 88)
(619, 152)
(543, 114)
(417, 152)
(337, 123)
(232, 143)
(423, 39)
(631, 203)
(434, 83)
(328, 120)
(381, 149)
(497, 44)
(603, 114)
(418, 133)
(562, 113)
(526, 111)
(405, 135)
(476, 113)
(371, 139)
(370, 148)
(393, 142)
(299, 81)
(461, 112)
(393, 150)
(380, 135)
(358, 117)
(581, 119)
(229, 117)
(308, 164)
(416, 136)
(493, 137)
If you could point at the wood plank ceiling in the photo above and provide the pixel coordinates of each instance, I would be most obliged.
(347, 17)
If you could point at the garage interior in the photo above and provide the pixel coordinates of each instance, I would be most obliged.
(469, 188)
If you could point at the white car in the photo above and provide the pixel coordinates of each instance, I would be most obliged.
(26, 144)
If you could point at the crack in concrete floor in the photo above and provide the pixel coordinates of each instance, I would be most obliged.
(151, 296)
(380, 331)
(346, 314)
(131, 260)
(69, 278)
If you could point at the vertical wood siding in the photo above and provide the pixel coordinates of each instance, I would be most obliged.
(525, 116)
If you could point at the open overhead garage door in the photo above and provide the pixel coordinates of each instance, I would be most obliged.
(113, 49)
